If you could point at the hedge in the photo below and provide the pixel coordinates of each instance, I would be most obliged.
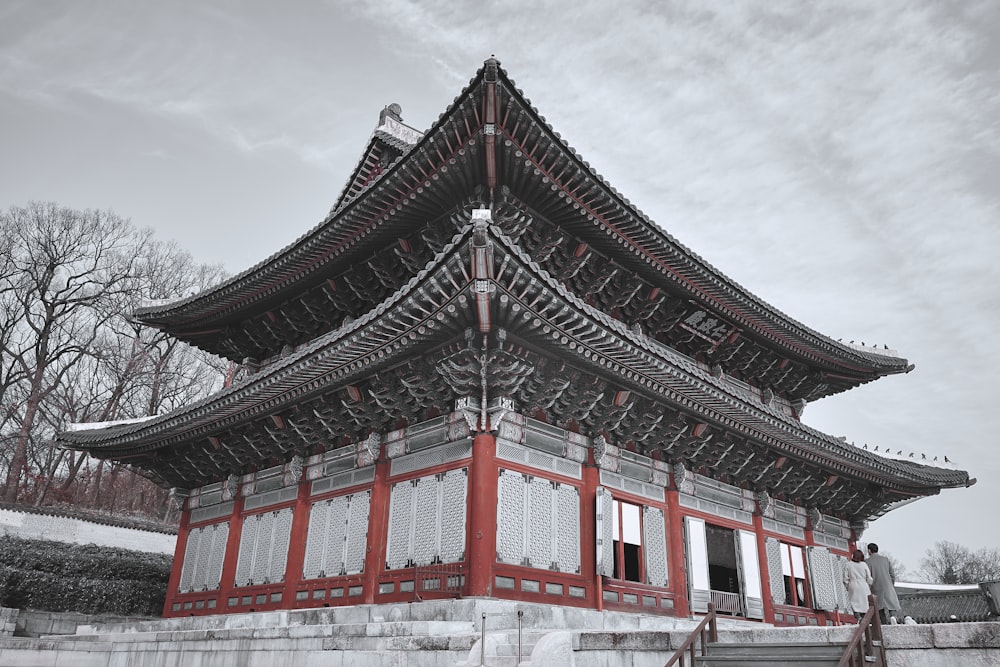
(56, 576)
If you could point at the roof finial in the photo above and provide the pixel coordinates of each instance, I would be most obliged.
(491, 67)
(393, 111)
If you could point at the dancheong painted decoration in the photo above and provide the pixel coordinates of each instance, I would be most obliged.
(487, 373)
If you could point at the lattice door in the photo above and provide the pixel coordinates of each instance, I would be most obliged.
(510, 517)
(654, 544)
(822, 578)
(605, 533)
(774, 571)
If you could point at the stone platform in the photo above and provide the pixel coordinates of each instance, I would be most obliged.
(449, 633)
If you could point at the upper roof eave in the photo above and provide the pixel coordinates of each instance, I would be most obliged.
(240, 292)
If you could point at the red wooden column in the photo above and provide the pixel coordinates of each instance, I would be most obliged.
(228, 580)
(175, 570)
(378, 527)
(588, 527)
(482, 533)
(765, 572)
(297, 544)
(676, 567)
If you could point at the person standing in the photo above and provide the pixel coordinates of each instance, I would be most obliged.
(858, 580)
(885, 583)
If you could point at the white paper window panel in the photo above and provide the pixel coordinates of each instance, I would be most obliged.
(426, 458)
(626, 523)
(714, 508)
(211, 512)
(342, 480)
(633, 486)
(697, 552)
(773, 526)
(510, 451)
(751, 564)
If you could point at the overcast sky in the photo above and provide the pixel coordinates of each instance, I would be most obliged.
(841, 160)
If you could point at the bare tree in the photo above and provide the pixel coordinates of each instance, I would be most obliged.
(68, 282)
(66, 263)
(950, 563)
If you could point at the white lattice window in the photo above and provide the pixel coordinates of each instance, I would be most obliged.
(538, 522)
(264, 548)
(427, 520)
(338, 534)
(203, 556)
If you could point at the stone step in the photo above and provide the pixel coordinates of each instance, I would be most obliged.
(762, 661)
(797, 649)
(387, 629)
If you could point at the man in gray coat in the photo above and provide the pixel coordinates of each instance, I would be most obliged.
(884, 583)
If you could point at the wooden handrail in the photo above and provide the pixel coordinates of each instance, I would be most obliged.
(866, 640)
(707, 631)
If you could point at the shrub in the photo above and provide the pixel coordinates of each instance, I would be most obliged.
(56, 576)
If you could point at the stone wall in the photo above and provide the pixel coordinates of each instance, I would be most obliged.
(8, 621)
(938, 645)
(47, 526)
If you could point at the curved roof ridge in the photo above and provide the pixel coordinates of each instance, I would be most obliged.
(300, 243)
(699, 261)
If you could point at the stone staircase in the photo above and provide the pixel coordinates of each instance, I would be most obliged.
(448, 633)
(764, 654)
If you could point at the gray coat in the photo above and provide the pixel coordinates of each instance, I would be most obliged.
(884, 579)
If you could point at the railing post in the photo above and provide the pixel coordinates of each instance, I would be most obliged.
(482, 643)
(520, 615)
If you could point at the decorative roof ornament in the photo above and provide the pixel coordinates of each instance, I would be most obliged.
(683, 478)
(231, 487)
(293, 470)
(815, 518)
(491, 69)
(368, 450)
(390, 121)
(765, 504)
(859, 526)
(393, 111)
(605, 454)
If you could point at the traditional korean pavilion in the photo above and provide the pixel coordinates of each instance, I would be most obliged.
(487, 373)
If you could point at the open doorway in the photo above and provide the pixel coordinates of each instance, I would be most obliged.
(723, 569)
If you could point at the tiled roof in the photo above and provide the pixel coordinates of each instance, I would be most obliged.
(530, 155)
(946, 606)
